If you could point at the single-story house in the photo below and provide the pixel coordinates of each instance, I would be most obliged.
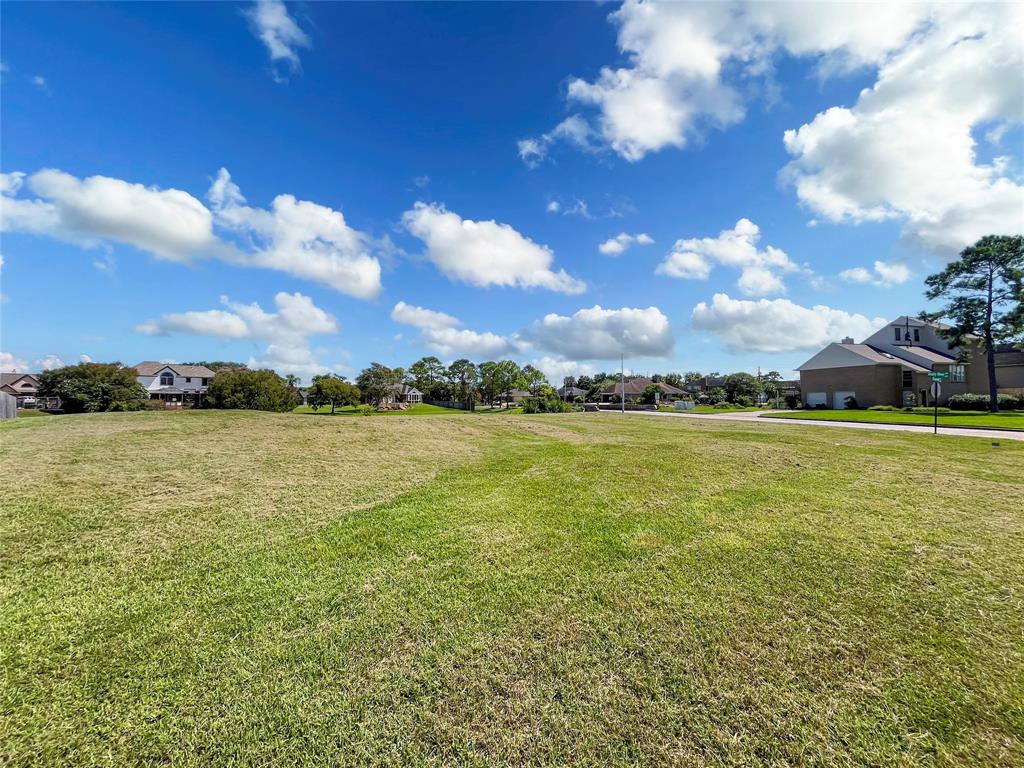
(634, 390)
(173, 383)
(892, 366)
(569, 394)
(404, 393)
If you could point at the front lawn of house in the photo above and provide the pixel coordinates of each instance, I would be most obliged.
(1001, 420)
(210, 587)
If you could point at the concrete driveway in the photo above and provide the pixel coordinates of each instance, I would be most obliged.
(755, 416)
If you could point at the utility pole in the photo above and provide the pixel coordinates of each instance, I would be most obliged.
(622, 380)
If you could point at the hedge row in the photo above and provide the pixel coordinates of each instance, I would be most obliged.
(975, 402)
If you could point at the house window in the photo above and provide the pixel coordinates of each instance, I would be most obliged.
(166, 379)
(917, 334)
(957, 374)
(188, 379)
(897, 333)
(205, 381)
(908, 379)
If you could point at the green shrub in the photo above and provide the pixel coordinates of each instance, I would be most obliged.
(792, 401)
(546, 404)
(250, 390)
(364, 409)
(92, 387)
(744, 401)
(722, 405)
(882, 408)
(976, 402)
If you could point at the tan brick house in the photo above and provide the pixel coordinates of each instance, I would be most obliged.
(891, 367)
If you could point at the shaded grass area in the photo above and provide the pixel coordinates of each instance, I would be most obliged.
(712, 409)
(1001, 420)
(210, 588)
(423, 409)
(25, 413)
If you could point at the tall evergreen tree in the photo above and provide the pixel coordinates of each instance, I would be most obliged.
(984, 294)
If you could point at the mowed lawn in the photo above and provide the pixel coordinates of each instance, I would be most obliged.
(1000, 420)
(210, 588)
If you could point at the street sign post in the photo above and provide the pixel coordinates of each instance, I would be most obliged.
(937, 378)
(936, 391)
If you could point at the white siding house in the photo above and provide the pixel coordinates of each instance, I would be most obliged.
(173, 383)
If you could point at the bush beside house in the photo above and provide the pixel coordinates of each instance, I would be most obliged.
(93, 387)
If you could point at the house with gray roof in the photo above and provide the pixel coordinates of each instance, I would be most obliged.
(892, 366)
(173, 383)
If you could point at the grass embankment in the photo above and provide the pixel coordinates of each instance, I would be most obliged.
(1001, 420)
(712, 409)
(204, 588)
(26, 413)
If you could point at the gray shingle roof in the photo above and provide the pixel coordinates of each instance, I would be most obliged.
(152, 368)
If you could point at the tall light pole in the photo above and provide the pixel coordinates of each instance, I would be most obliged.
(622, 380)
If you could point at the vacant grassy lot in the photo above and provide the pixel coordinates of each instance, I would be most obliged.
(206, 588)
(1001, 420)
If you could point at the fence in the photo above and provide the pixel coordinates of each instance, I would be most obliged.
(458, 405)
(8, 406)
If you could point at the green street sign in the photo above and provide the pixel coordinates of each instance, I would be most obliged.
(938, 375)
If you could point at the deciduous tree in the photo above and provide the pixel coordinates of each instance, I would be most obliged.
(91, 387)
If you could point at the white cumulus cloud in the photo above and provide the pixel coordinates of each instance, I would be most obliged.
(483, 253)
(169, 223)
(777, 325)
(690, 64)
(906, 150)
(695, 258)
(299, 237)
(418, 317)
(883, 274)
(604, 334)
(287, 330)
(618, 245)
(11, 364)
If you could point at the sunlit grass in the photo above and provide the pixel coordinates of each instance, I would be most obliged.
(206, 588)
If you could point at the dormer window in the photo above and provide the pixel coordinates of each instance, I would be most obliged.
(166, 379)
(917, 334)
(897, 329)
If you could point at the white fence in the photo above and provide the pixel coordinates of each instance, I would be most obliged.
(8, 406)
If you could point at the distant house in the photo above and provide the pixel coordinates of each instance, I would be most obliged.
(569, 394)
(24, 387)
(704, 384)
(634, 390)
(891, 367)
(174, 384)
(514, 396)
(404, 393)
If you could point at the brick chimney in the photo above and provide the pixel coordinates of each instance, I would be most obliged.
(847, 340)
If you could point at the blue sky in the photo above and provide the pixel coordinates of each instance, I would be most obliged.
(530, 134)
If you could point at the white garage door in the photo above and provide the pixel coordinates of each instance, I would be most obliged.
(839, 402)
(817, 398)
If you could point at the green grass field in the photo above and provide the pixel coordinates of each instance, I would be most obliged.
(213, 588)
(27, 413)
(1001, 420)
